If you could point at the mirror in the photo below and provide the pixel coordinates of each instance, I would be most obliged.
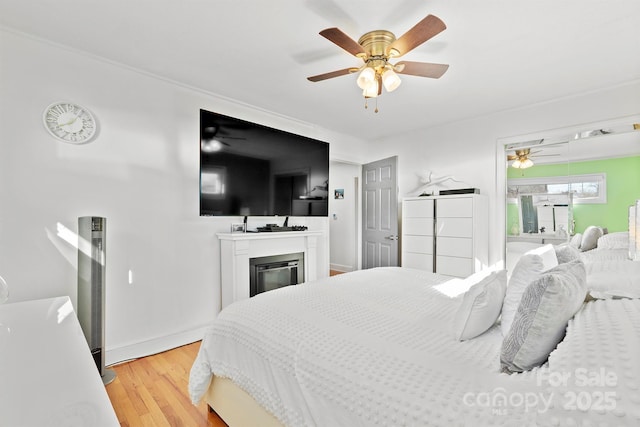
(567, 180)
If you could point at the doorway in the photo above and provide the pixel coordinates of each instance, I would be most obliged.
(344, 216)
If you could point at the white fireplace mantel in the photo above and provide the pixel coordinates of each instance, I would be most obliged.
(236, 249)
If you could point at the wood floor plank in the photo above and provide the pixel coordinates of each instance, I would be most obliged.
(153, 391)
(131, 378)
(118, 393)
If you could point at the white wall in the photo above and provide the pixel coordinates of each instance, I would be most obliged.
(344, 225)
(467, 149)
(141, 173)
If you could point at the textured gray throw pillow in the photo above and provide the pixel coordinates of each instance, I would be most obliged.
(528, 268)
(566, 253)
(545, 309)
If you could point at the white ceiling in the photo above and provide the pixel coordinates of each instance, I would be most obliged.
(503, 54)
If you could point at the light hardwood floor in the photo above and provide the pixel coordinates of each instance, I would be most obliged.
(152, 391)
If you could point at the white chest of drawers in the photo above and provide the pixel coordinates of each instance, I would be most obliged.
(445, 234)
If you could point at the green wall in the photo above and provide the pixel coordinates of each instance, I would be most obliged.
(623, 189)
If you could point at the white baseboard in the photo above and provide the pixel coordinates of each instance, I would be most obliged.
(341, 268)
(153, 346)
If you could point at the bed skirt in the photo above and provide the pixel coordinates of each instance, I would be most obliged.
(235, 406)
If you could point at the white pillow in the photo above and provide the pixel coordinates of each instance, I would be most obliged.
(566, 253)
(617, 240)
(547, 306)
(590, 238)
(528, 268)
(481, 305)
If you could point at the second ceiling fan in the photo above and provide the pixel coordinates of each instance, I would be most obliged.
(378, 48)
(522, 157)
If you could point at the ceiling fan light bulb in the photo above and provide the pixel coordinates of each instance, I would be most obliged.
(371, 91)
(526, 164)
(210, 145)
(516, 164)
(391, 80)
(366, 78)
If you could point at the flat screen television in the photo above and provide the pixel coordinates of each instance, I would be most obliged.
(248, 169)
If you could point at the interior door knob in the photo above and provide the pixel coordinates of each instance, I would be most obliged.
(392, 237)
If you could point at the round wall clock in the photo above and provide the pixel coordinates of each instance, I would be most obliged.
(69, 122)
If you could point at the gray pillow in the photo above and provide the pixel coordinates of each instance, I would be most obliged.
(566, 253)
(528, 268)
(590, 238)
(545, 309)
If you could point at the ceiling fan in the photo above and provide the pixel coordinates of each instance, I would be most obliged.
(522, 158)
(377, 48)
(212, 139)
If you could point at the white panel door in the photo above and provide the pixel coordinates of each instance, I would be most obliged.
(380, 214)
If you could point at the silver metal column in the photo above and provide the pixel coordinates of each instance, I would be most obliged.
(92, 232)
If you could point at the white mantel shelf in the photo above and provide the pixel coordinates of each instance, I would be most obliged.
(236, 249)
(266, 235)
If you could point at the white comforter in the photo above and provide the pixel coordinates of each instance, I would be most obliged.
(375, 347)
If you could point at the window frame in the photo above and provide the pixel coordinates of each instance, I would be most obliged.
(600, 178)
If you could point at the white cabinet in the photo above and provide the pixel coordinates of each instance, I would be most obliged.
(48, 375)
(418, 233)
(445, 234)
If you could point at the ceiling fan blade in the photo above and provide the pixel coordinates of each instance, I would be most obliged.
(511, 157)
(342, 40)
(418, 34)
(421, 69)
(332, 74)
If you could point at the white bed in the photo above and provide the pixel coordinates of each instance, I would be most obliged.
(376, 347)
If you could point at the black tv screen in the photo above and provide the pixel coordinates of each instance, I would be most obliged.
(249, 169)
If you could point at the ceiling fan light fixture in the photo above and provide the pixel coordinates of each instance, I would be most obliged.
(390, 80)
(375, 48)
(211, 145)
(371, 91)
(366, 78)
(522, 163)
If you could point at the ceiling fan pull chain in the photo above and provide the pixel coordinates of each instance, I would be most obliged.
(376, 110)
